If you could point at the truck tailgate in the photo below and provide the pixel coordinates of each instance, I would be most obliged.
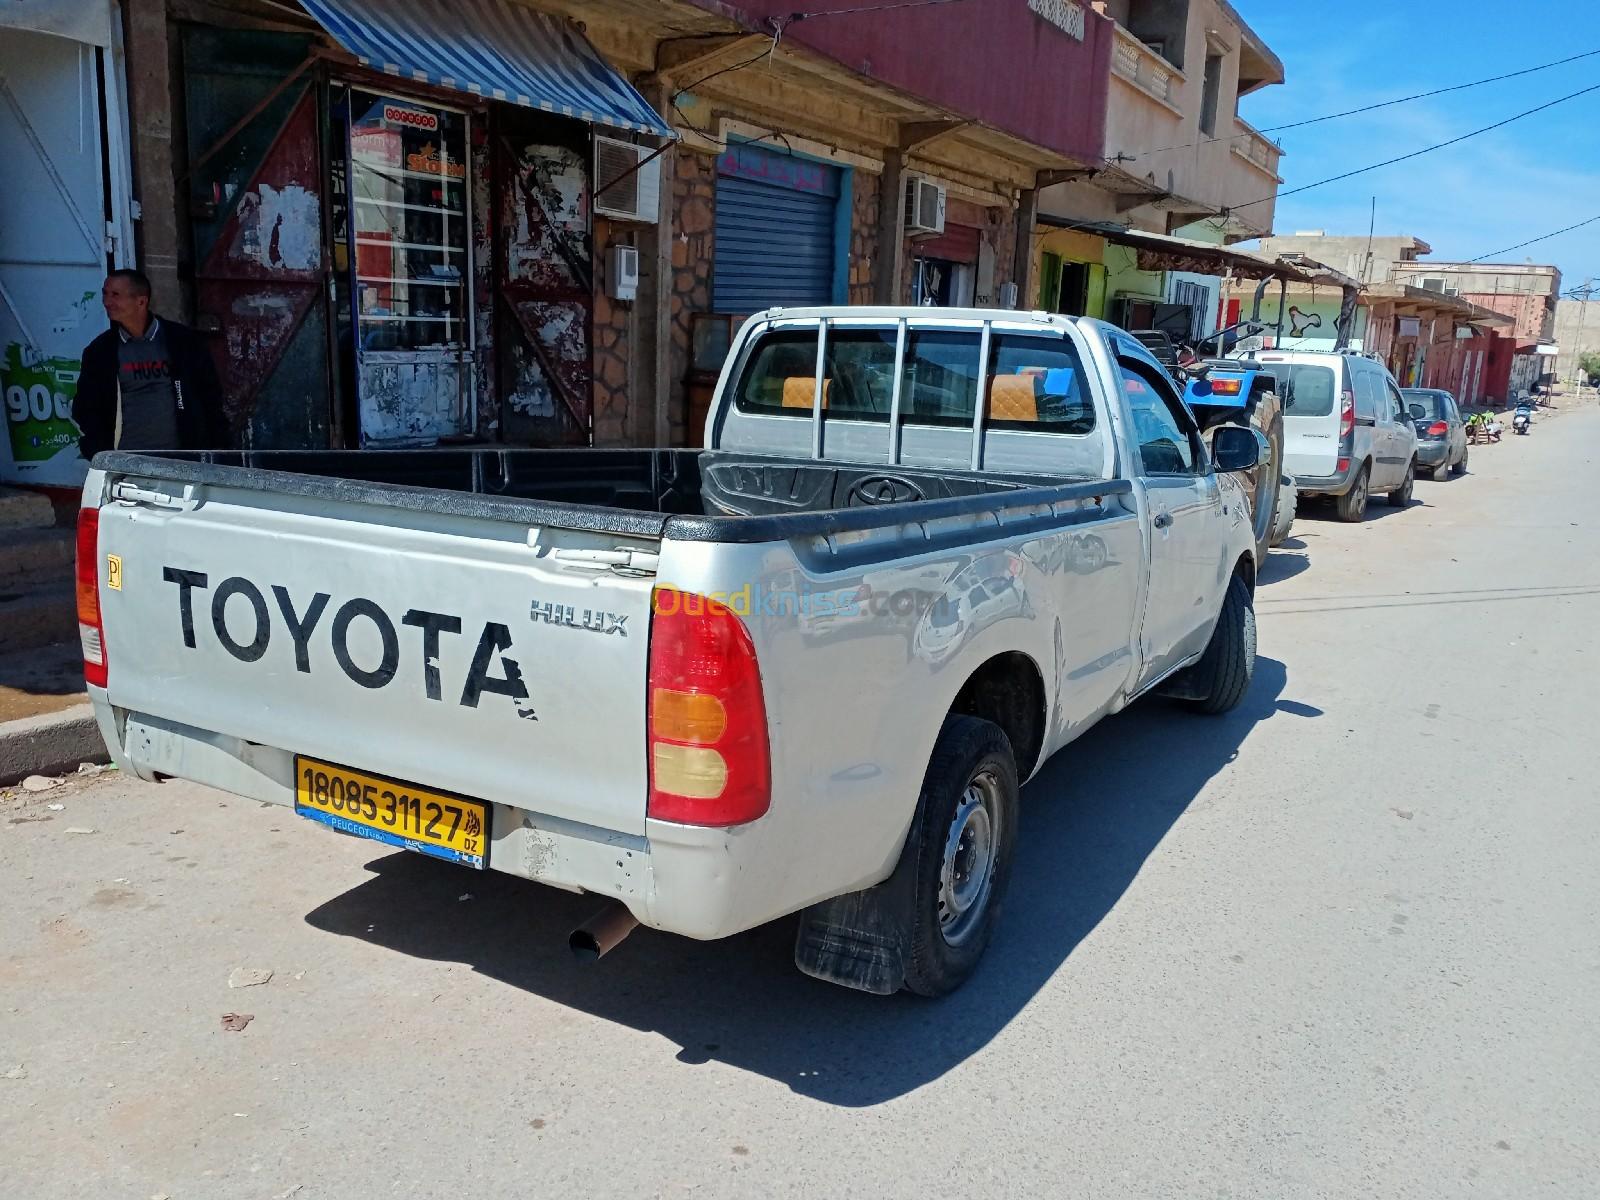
(446, 651)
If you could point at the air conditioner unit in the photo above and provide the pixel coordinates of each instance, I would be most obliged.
(634, 190)
(924, 205)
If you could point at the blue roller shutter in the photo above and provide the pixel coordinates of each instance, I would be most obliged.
(775, 231)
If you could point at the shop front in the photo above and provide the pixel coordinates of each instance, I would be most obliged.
(395, 235)
(944, 270)
(782, 230)
(65, 220)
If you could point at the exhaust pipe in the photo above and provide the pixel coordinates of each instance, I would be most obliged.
(602, 932)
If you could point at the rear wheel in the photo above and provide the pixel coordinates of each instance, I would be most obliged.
(1461, 467)
(1352, 506)
(966, 831)
(1401, 496)
(1441, 472)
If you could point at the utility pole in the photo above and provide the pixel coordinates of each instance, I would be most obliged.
(1577, 348)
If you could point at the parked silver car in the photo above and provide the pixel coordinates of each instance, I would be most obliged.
(1441, 431)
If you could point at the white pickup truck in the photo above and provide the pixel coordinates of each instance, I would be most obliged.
(803, 670)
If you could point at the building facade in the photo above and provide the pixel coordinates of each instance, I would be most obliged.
(66, 217)
(539, 222)
(1577, 333)
(1527, 293)
(1483, 330)
(1179, 160)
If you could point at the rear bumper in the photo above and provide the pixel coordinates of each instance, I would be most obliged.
(1432, 454)
(680, 879)
(1328, 485)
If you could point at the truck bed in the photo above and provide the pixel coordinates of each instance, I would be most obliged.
(703, 495)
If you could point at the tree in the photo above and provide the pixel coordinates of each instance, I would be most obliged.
(1589, 364)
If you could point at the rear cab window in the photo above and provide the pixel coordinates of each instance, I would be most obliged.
(1035, 382)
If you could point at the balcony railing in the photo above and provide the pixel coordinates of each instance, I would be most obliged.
(1255, 148)
(1145, 69)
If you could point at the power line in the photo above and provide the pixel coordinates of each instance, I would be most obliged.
(1352, 112)
(1541, 238)
(871, 8)
(1389, 162)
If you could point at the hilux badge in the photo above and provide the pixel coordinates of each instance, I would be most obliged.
(593, 620)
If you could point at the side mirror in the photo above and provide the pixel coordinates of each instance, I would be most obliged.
(1234, 448)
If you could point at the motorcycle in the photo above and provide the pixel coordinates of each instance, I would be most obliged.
(1522, 418)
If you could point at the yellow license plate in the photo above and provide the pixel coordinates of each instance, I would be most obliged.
(374, 806)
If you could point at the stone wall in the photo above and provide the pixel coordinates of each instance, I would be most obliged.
(694, 198)
(615, 420)
(867, 188)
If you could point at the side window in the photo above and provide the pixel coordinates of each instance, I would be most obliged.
(1397, 403)
(1368, 398)
(1168, 442)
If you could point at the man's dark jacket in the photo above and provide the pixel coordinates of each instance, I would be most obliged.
(202, 425)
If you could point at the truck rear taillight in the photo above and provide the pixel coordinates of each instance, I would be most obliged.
(1347, 415)
(709, 758)
(90, 629)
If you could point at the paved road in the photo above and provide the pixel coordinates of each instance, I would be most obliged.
(1343, 943)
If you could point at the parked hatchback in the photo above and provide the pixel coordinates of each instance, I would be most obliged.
(1346, 430)
(1441, 433)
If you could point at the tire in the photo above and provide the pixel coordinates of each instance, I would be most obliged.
(1287, 509)
(967, 822)
(1219, 681)
(1461, 467)
(1267, 484)
(1352, 506)
(1267, 526)
(1442, 472)
(1401, 496)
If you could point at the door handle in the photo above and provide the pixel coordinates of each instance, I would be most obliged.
(1162, 521)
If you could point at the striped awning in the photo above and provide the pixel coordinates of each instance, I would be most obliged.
(491, 48)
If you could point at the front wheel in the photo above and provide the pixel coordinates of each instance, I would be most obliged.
(1401, 496)
(966, 831)
(1219, 681)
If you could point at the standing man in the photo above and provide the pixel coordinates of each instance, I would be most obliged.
(147, 383)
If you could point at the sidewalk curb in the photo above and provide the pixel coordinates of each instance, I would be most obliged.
(50, 744)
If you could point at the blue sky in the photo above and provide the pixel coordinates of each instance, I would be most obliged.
(1534, 176)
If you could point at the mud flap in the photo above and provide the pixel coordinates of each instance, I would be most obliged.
(861, 939)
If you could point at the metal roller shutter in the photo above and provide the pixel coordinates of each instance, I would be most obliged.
(774, 243)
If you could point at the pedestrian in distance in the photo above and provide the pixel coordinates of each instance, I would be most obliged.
(147, 383)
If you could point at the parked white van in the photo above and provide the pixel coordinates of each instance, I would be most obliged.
(1347, 433)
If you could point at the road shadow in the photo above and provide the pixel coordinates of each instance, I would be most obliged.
(1090, 820)
(1282, 564)
(53, 670)
(1378, 507)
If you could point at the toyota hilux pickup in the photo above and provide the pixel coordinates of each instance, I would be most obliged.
(802, 671)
